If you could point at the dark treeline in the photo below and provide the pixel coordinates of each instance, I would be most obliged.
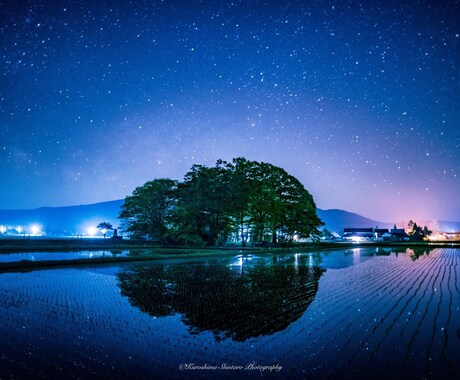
(245, 202)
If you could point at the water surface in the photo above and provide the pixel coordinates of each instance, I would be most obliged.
(357, 313)
(58, 256)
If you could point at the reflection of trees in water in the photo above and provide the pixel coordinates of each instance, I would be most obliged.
(232, 303)
(415, 253)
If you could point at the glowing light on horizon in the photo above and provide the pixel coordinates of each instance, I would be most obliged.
(92, 231)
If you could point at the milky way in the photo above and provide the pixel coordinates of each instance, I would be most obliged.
(359, 100)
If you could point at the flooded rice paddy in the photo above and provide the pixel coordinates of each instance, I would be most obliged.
(58, 256)
(358, 313)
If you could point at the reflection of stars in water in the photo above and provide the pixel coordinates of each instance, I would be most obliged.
(356, 100)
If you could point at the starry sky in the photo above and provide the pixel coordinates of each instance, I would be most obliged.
(357, 99)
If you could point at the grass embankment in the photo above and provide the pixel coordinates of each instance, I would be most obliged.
(78, 244)
(144, 251)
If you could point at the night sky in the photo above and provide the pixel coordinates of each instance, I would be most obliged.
(357, 99)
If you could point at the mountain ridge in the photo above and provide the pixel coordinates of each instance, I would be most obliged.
(336, 220)
(77, 219)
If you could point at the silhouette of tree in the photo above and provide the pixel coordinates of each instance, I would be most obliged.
(417, 233)
(104, 227)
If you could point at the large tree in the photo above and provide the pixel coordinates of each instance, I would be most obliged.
(241, 188)
(202, 209)
(278, 204)
(146, 211)
(105, 227)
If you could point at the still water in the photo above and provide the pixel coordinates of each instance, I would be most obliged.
(58, 256)
(359, 313)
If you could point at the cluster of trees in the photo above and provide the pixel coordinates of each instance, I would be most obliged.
(246, 201)
(417, 233)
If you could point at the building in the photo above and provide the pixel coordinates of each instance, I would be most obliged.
(396, 234)
(363, 234)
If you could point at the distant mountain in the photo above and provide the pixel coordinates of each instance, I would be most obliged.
(76, 220)
(337, 220)
(70, 220)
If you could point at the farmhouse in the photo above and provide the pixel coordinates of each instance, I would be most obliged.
(396, 234)
(374, 234)
(363, 234)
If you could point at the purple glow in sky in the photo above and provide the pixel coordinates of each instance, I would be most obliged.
(359, 100)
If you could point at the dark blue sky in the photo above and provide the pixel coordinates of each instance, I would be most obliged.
(359, 100)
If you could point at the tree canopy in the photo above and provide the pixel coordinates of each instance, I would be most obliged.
(417, 233)
(242, 201)
(145, 212)
(105, 227)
